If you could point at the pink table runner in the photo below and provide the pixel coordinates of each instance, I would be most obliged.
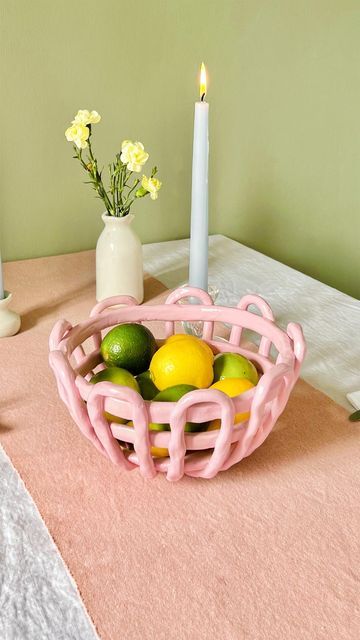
(268, 550)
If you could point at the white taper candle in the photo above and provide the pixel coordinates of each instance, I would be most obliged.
(198, 269)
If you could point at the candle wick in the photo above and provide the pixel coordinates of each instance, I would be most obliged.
(202, 97)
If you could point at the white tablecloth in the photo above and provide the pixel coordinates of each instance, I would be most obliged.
(330, 319)
(38, 598)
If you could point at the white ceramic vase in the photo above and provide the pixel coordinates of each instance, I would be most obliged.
(119, 261)
(9, 320)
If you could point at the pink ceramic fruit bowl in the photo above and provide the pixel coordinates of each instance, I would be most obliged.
(201, 454)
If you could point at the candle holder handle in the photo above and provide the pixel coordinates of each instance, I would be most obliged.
(10, 321)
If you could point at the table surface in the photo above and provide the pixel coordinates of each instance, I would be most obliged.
(38, 596)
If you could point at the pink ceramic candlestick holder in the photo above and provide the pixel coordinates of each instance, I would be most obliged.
(203, 454)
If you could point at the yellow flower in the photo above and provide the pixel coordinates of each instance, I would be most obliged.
(133, 155)
(84, 116)
(152, 185)
(78, 134)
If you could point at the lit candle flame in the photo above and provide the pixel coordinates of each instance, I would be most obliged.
(202, 82)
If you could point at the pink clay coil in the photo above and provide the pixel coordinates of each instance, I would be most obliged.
(200, 454)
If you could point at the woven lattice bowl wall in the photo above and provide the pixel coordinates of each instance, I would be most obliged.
(276, 353)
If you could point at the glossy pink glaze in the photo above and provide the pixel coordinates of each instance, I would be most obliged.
(201, 454)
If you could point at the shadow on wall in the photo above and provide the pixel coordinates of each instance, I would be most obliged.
(256, 219)
(261, 226)
(263, 218)
(256, 194)
(272, 233)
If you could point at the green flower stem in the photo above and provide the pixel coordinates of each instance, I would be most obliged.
(78, 155)
(135, 198)
(98, 183)
(121, 179)
(127, 175)
(116, 189)
(120, 196)
(112, 187)
(127, 203)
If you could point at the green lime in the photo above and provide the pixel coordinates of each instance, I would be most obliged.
(129, 346)
(147, 387)
(234, 365)
(173, 394)
(117, 376)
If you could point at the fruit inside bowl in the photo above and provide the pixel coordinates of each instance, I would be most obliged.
(167, 372)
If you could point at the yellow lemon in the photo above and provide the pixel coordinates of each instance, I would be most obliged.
(214, 425)
(156, 452)
(182, 360)
(232, 387)
(185, 338)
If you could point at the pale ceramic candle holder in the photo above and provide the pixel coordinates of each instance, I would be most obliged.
(196, 328)
(10, 321)
(201, 454)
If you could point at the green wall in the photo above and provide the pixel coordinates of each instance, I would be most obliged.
(285, 119)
